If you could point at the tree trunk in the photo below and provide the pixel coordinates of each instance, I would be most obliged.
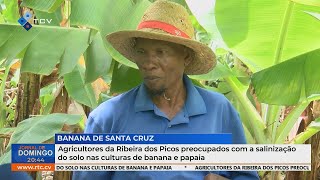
(315, 146)
(28, 97)
(61, 105)
(61, 102)
(315, 159)
(27, 100)
(313, 112)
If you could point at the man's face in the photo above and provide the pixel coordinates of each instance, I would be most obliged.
(160, 63)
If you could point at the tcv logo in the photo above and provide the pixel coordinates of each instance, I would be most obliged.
(27, 15)
(24, 20)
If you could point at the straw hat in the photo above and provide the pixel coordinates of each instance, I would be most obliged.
(166, 21)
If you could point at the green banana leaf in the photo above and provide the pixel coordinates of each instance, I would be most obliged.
(312, 129)
(11, 13)
(97, 59)
(124, 78)
(108, 16)
(47, 98)
(308, 2)
(266, 32)
(263, 37)
(47, 5)
(38, 130)
(55, 16)
(204, 12)
(285, 127)
(220, 71)
(289, 82)
(45, 47)
(7, 130)
(316, 15)
(1, 18)
(78, 89)
(42, 128)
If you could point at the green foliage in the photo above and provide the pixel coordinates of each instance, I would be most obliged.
(312, 129)
(11, 13)
(263, 37)
(38, 130)
(1, 17)
(6, 111)
(220, 71)
(316, 15)
(204, 11)
(65, 47)
(78, 89)
(125, 15)
(275, 39)
(124, 78)
(47, 6)
(6, 130)
(289, 82)
(308, 2)
(98, 60)
(103, 97)
(55, 16)
(47, 98)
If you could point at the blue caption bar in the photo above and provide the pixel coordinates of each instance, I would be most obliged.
(143, 139)
(32, 153)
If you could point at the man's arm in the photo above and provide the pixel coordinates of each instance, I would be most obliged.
(92, 127)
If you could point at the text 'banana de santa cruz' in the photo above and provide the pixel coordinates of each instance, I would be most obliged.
(104, 138)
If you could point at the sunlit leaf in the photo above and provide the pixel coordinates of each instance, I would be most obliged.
(204, 11)
(55, 16)
(7, 130)
(316, 15)
(220, 71)
(266, 32)
(47, 5)
(38, 130)
(78, 89)
(124, 78)
(312, 129)
(45, 47)
(42, 128)
(308, 2)
(97, 59)
(11, 13)
(109, 16)
(289, 82)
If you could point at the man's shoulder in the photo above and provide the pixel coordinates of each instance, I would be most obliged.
(116, 103)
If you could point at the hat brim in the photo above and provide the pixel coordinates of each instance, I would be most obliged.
(204, 59)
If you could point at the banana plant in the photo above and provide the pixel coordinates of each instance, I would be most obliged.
(268, 41)
(262, 40)
(38, 130)
(43, 47)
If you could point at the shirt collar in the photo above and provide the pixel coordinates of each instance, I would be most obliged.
(194, 104)
(143, 101)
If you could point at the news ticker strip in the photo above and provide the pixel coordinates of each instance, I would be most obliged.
(238, 167)
(163, 154)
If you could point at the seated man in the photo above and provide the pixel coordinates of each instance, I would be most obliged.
(167, 102)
